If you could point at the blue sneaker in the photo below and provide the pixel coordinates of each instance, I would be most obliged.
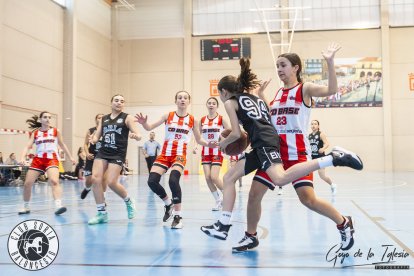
(130, 205)
(99, 218)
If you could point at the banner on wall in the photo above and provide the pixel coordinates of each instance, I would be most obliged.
(411, 81)
(359, 81)
(213, 88)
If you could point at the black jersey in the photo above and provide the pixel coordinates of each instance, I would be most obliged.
(114, 136)
(94, 148)
(254, 115)
(316, 143)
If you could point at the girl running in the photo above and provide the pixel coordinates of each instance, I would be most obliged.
(115, 128)
(179, 126)
(47, 139)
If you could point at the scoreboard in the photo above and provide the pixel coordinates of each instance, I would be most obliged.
(225, 48)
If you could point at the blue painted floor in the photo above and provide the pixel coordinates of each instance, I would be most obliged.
(292, 239)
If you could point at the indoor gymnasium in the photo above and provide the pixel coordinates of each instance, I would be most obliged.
(206, 137)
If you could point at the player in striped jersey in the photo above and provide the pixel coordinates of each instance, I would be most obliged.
(290, 115)
(47, 139)
(245, 108)
(179, 127)
(211, 126)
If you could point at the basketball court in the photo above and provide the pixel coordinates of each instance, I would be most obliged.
(292, 239)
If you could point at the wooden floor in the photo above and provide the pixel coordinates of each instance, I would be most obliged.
(293, 239)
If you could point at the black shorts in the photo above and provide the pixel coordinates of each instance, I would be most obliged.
(261, 158)
(118, 160)
(88, 167)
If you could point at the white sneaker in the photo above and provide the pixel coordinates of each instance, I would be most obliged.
(333, 189)
(280, 191)
(24, 211)
(218, 206)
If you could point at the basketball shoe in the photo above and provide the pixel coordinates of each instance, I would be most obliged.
(168, 212)
(177, 222)
(24, 211)
(84, 193)
(130, 205)
(60, 210)
(347, 234)
(217, 230)
(248, 242)
(99, 218)
(346, 158)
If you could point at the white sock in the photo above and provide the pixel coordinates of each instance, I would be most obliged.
(225, 217)
(177, 213)
(167, 201)
(26, 205)
(325, 161)
(101, 208)
(58, 203)
(127, 199)
(88, 189)
(216, 195)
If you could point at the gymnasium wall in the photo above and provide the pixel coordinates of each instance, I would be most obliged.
(93, 65)
(402, 64)
(31, 64)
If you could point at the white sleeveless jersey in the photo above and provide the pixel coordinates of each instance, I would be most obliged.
(210, 130)
(178, 132)
(290, 116)
(46, 143)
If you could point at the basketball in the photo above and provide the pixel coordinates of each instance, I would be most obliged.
(237, 146)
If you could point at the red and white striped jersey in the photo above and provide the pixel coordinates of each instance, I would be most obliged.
(178, 132)
(210, 130)
(46, 143)
(290, 116)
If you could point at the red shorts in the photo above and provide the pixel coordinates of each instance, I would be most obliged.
(43, 164)
(235, 158)
(212, 160)
(306, 180)
(167, 162)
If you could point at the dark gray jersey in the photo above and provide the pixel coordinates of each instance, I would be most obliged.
(115, 135)
(254, 115)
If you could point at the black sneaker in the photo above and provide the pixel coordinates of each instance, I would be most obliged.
(84, 193)
(347, 235)
(168, 209)
(60, 210)
(217, 230)
(346, 158)
(177, 222)
(247, 243)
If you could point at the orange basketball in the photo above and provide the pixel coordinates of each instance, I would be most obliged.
(237, 146)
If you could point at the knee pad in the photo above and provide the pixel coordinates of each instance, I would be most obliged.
(174, 182)
(155, 186)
